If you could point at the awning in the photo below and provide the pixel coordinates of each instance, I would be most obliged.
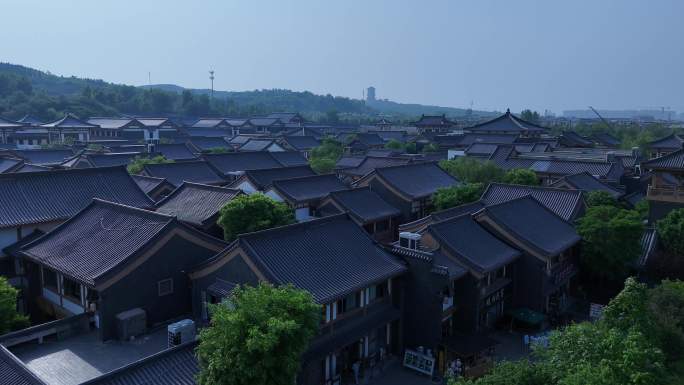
(466, 345)
(528, 316)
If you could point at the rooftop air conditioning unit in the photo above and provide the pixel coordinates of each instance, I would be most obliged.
(131, 323)
(409, 240)
(181, 332)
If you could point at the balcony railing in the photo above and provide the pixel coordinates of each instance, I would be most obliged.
(666, 193)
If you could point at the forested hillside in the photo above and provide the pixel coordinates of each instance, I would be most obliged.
(27, 91)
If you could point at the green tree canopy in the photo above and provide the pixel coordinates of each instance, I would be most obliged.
(137, 164)
(600, 198)
(324, 157)
(611, 240)
(447, 197)
(394, 144)
(530, 116)
(258, 337)
(521, 176)
(10, 319)
(249, 213)
(219, 150)
(470, 170)
(622, 347)
(671, 232)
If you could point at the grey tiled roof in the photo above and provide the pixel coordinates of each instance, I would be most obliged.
(110, 123)
(370, 139)
(177, 366)
(109, 160)
(148, 183)
(470, 138)
(308, 188)
(32, 120)
(507, 123)
(8, 164)
(208, 123)
(433, 120)
(256, 145)
(481, 149)
(39, 197)
(204, 143)
(14, 372)
(69, 121)
(507, 158)
(197, 204)
(417, 180)
(671, 142)
(329, 257)
(155, 122)
(302, 143)
(262, 179)
(6, 123)
(177, 173)
(175, 151)
(289, 158)
(606, 139)
(573, 139)
(562, 202)
(364, 204)
(532, 224)
(97, 241)
(346, 162)
(242, 161)
(587, 183)
(370, 163)
(474, 246)
(45, 157)
(453, 212)
(672, 161)
(221, 288)
(32, 168)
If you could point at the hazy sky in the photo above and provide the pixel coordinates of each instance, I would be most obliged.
(540, 54)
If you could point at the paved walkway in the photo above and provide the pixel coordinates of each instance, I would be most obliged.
(395, 374)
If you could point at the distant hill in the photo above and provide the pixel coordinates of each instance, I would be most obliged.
(25, 90)
(390, 107)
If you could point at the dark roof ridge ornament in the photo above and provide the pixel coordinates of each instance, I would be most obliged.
(508, 111)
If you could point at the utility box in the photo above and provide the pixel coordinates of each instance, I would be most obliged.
(181, 332)
(131, 323)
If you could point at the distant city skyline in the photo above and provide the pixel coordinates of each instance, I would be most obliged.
(609, 54)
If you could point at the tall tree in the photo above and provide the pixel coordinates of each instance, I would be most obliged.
(10, 319)
(453, 196)
(671, 232)
(137, 163)
(521, 176)
(611, 240)
(257, 337)
(470, 170)
(249, 213)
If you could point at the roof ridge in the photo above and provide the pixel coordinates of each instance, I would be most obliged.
(89, 170)
(142, 361)
(304, 224)
(127, 208)
(531, 187)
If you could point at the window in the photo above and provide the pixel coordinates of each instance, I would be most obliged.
(165, 287)
(50, 279)
(71, 289)
(348, 303)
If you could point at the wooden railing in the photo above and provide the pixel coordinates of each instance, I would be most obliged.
(666, 193)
